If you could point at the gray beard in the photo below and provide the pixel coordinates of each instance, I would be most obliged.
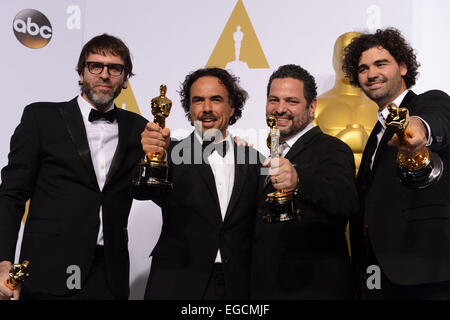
(100, 101)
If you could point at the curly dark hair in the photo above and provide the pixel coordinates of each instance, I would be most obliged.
(236, 95)
(391, 40)
(103, 44)
(296, 72)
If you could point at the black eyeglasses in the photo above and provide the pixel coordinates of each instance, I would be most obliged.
(114, 69)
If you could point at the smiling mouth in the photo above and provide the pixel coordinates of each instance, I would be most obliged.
(282, 121)
(208, 122)
(375, 85)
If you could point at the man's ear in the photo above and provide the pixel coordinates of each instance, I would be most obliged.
(80, 82)
(403, 69)
(312, 108)
(232, 110)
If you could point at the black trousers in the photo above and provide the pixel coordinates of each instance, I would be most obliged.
(216, 284)
(95, 287)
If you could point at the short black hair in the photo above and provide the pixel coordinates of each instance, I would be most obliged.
(389, 39)
(296, 72)
(236, 95)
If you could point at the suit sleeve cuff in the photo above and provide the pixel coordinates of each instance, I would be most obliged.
(429, 135)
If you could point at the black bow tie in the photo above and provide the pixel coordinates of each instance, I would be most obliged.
(221, 147)
(109, 116)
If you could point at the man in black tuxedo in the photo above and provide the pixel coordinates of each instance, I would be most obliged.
(74, 160)
(307, 258)
(204, 248)
(404, 231)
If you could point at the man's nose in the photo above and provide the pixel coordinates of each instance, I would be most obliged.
(207, 106)
(372, 73)
(281, 107)
(105, 73)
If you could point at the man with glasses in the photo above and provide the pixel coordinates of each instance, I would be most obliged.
(73, 160)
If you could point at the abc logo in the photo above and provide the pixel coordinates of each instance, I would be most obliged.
(32, 28)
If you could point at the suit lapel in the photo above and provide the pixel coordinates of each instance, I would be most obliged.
(124, 130)
(302, 143)
(75, 126)
(204, 171)
(406, 103)
(380, 150)
(364, 168)
(240, 176)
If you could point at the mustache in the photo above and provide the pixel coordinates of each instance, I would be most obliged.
(282, 115)
(207, 116)
(103, 82)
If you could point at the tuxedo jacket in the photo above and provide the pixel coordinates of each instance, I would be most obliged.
(308, 258)
(409, 230)
(193, 229)
(50, 164)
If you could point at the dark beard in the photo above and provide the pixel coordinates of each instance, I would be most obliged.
(286, 134)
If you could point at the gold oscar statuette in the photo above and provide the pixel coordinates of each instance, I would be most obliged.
(153, 170)
(421, 170)
(17, 275)
(345, 111)
(281, 202)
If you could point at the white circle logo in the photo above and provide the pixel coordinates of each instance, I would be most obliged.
(32, 28)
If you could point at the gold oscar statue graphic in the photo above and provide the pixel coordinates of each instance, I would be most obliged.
(345, 111)
(421, 170)
(153, 170)
(17, 275)
(280, 203)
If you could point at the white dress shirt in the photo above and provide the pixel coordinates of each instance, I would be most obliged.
(223, 171)
(103, 138)
(287, 144)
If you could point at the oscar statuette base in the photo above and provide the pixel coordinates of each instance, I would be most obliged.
(280, 208)
(423, 177)
(150, 180)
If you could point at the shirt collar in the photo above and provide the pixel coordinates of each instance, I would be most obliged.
(291, 141)
(200, 138)
(86, 107)
(398, 101)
